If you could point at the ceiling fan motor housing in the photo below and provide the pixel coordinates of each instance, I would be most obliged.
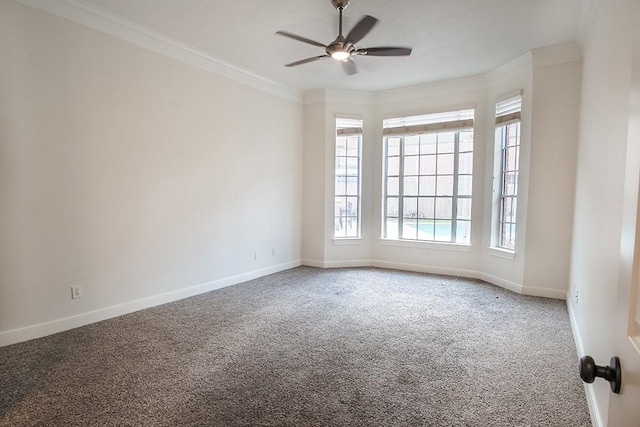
(339, 45)
(340, 4)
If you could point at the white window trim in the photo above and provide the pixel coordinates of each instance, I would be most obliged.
(502, 253)
(347, 241)
(441, 246)
(349, 132)
(457, 126)
(499, 122)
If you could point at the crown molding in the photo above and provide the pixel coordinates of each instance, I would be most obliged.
(100, 20)
(557, 54)
(431, 89)
(521, 65)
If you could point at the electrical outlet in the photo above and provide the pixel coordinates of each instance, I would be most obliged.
(76, 292)
(255, 256)
(575, 296)
(273, 252)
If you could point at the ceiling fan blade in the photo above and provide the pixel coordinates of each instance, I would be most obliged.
(304, 61)
(361, 29)
(300, 38)
(349, 67)
(385, 51)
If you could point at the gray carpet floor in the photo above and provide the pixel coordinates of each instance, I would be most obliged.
(309, 347)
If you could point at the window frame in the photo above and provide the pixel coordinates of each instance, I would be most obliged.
(347, 127)
(507, 116)
(411, 127)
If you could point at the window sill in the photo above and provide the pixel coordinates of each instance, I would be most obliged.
(345, 241)
(502, 253)
(455, 247)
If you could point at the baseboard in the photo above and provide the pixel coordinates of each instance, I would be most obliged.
(60, 325)
(596, 419)
(348, 263)
(425, 269)
(313, 263)
(471, 274)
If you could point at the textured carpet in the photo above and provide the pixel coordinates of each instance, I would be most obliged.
(309, 347)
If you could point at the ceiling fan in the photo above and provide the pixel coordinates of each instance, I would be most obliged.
(343, 48)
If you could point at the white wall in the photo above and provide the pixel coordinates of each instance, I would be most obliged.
(552, 167)
(499, 267)
(322, 107)
(600, 183)
(131, 175)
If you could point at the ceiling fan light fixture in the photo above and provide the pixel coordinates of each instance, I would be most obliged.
(340, 55)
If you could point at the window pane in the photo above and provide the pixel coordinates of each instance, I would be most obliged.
(512, 134)
(445, 164)
(411, 145)
(464, 209)
(340, 188)
(411, 165)
(514, 206)
(510, 184)
(511, 159)
(352, 185)
(428, 165)
(466, 163)
(393, 146)
(353, 148)
(466, 141)
(393, 186)
(428, 143)
(463, 232)
(508, 236)
(391, 228)
(351, 229)
(411, 186)
(392, 206)
(506, 210)
(410, 229)
(443, 207)
(446, 142)
(426, 207)
(427, 185)
(426, 229)
(352, 166)
(443, 231)
(464, 185)
(444, 186)
(341, 166)
(352, 206)
(509, 209)
(340, 205)
(410, 207)
(339, 229)
(393, 166)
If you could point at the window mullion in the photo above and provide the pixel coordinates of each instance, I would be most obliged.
(454, 201)
(401, 189)
(386, 189)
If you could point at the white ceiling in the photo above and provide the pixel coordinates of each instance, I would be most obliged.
(450, 38)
